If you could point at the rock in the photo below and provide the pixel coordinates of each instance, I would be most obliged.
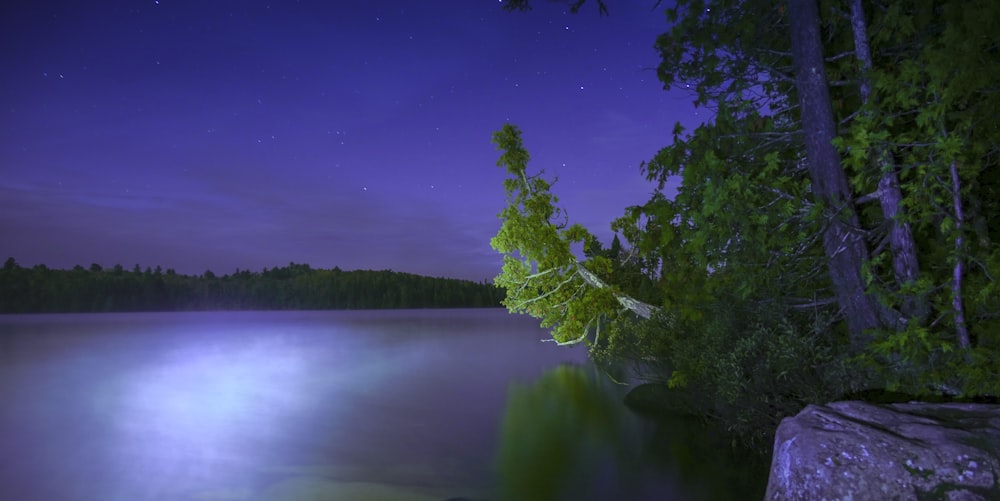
(653, 399)
(858, 451)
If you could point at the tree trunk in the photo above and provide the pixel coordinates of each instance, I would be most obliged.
(890, 196)
(961, 328)
(844, 246)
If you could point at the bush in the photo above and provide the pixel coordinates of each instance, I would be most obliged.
(745, 365)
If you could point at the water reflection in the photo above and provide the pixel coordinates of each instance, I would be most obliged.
(219, 405)
(568, 437)
(261, 406)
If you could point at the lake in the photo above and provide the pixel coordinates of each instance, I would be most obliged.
(316, 405)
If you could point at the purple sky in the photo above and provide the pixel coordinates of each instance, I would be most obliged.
(224, 134)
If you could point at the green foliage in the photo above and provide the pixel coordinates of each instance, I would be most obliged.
(933, 110)
(540, 272)
(736, 257)
(740, 221)
(746, 365)
(763, 366)
(741, 225)
(296, 286)
(924, 361)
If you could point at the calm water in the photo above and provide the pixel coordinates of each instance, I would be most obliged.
(395, 405)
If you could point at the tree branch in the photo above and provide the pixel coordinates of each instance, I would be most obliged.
(641, 308)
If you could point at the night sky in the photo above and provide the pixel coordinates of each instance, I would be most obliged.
(216, 135)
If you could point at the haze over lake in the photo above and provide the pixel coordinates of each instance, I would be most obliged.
(403, 404)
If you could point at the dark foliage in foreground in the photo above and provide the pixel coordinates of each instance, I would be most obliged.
(40, 289)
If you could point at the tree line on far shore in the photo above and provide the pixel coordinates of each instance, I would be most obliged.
(40, 289)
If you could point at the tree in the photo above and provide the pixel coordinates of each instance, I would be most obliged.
(844, 245)
(541, 274)
(723, 69)
(40, 289)
(890, 196)
(819, 108)
(934, 98)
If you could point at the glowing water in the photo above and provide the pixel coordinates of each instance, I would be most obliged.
(380, 405)
(259, 405)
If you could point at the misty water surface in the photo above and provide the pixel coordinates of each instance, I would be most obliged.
(402, 405)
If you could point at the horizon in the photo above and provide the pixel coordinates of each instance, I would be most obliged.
(240, 135)
(164, 270)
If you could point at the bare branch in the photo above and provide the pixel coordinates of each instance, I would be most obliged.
(840, 56)
(643, 309)
(543, 296)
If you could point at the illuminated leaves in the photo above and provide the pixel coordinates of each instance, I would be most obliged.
(541, 274)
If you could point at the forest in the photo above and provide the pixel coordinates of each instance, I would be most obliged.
(39, 289)
(835, 232)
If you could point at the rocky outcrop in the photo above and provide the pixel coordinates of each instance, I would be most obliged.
(913, 451)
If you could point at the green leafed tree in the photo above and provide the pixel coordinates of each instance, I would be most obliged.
(843, 191)
(541, 273)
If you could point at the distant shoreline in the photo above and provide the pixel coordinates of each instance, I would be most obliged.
(40, 289)
(320, 310)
